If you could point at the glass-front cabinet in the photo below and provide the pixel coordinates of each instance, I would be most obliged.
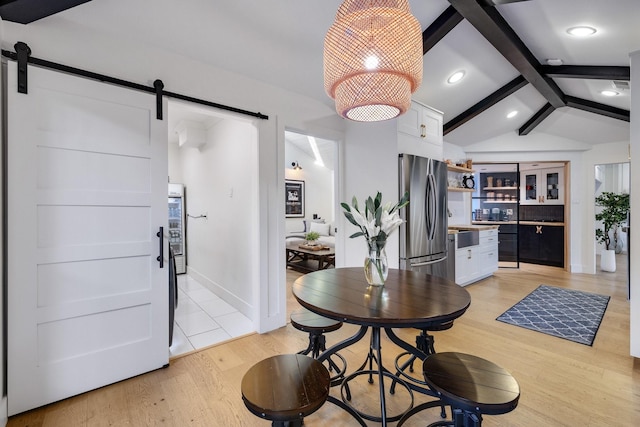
(543, 186)
(495, 201)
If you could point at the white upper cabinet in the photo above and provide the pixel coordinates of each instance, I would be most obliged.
(543, 186)
(420, 131)
(422, 122)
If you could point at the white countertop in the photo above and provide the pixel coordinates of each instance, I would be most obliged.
(462, 227)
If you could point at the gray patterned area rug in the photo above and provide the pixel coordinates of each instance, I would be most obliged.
(565, 313)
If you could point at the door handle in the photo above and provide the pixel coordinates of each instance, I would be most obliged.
(423, 131)
(160, 257)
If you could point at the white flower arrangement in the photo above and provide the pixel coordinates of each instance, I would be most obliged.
(378, 221)
(376, 225)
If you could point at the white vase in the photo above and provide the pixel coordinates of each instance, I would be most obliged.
(608, 260)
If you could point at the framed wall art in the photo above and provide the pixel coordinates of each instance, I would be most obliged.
(294, 198)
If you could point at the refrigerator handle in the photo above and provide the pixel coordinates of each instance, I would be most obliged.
(430, 202)
(160, 257)
(420, 264)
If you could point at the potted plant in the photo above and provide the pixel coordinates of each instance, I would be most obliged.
(311, 238)
(614, 212)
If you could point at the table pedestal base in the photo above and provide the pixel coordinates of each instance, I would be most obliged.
(375, 357)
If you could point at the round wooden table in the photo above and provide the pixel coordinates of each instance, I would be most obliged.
(407, 300)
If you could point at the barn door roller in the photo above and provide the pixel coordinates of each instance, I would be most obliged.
(22, 51)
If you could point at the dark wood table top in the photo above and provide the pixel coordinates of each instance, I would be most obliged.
(408, 298)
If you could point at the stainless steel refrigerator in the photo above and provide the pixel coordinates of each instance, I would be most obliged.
(423, 235)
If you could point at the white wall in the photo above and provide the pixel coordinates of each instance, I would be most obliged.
(453, 152)
(634, 238)
(371, 165)
(3, 392)
(319, 187)
(220, 182)
(175, 163)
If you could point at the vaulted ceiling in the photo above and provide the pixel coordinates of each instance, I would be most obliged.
(502, 45)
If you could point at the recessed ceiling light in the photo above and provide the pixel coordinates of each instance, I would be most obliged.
(581, 31)
(609, 93)
(512, 114)
(455, 77)
(554, 61)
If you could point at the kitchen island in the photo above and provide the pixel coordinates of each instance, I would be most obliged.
(476, 252)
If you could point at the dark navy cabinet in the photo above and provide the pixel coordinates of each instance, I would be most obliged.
(541, 244)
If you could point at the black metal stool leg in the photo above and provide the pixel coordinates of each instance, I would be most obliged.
(295, 423)
(308, 349)
(424, 343)
(320, 345)
(316, 326)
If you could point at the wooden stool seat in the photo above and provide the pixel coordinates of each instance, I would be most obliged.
(285, 388)
(472, 383)
(308, 321)
(472, 386)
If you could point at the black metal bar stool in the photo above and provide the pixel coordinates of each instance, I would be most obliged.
(424, 343)
(472, 386)
(316, 325)
(285, 388)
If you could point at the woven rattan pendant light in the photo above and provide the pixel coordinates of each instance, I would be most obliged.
(373, 59)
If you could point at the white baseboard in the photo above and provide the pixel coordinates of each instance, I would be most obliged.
(238, 303)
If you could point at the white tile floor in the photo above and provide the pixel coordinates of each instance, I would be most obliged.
(203, 319)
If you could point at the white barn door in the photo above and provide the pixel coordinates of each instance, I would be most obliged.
(87, 193)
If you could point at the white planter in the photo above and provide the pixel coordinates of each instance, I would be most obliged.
(608, 260)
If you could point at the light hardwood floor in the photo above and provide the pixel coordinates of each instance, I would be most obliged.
(562, 383)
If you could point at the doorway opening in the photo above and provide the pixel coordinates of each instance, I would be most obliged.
(214, 156)
(310, 172)
(614, 178)
(528, 201)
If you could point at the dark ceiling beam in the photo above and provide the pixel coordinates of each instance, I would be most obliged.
(435, 32)
(27, 11)
(537, 118)
(598, 108)
(488, 102)
(495, 29)
(587, 72)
